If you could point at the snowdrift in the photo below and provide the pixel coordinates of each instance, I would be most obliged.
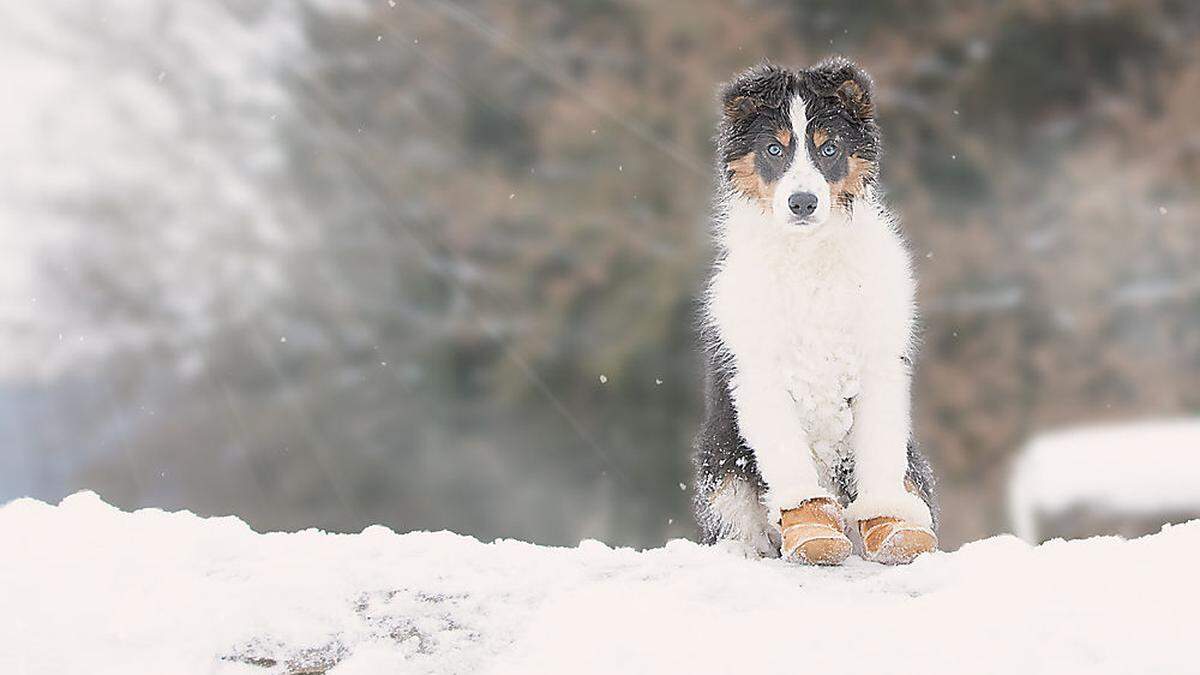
(85, 587)
(1149, 467)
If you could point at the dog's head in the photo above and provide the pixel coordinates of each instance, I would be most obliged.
(801, 145)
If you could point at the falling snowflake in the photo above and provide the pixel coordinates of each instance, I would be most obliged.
(603, 379)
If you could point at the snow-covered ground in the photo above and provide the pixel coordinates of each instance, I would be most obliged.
(1150, 467)
(85, 587)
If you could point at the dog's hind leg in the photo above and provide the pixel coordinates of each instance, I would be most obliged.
(732, 515)
(728, 502)
(920, 480)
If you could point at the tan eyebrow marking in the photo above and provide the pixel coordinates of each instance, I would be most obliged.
(819, 137)
(784, 136)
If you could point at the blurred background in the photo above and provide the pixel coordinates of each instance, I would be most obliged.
(433, 263)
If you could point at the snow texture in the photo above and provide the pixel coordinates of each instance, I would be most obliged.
(1142, 468)
(85, 587)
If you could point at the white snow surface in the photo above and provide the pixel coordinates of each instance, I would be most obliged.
(1143, 467)
(85, 587)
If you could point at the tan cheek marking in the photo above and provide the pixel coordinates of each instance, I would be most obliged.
(851, 185)
(745, 179)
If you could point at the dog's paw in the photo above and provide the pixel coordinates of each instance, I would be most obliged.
(738, 549)
(747, 550)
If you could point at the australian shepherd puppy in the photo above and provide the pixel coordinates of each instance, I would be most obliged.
(809, 320)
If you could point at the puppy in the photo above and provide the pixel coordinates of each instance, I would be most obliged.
(808, 330)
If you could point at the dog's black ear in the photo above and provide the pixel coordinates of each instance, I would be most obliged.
(737, 105)
(756, 88)
(840, 77)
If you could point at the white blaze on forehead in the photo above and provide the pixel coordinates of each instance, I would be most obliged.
(802, 175)
(799, 121)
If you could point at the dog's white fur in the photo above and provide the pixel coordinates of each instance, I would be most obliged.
(743, 520)
(812, 316)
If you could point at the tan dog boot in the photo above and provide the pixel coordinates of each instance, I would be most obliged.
(892, 541)
(813, 533)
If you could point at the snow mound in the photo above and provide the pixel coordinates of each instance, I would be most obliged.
(85, 587)
(1147, 467)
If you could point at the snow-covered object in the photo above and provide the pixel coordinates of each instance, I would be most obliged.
(85, 587)
(1144, 468)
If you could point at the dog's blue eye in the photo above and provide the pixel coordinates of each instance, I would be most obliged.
(775, 150)
(829, 149)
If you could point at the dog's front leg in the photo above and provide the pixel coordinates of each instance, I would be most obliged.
(895, 524)
(808, 518)
(879, 441)
(767, 421)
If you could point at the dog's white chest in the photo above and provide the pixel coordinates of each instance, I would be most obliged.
(802, 320)
(820, 355)
(821, 361)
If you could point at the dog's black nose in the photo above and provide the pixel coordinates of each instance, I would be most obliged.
(802, 203)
